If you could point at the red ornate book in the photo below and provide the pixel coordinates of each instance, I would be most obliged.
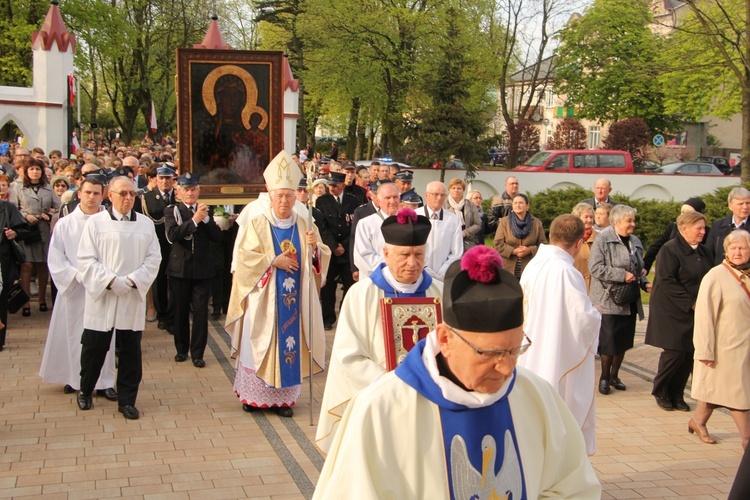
(406, 321)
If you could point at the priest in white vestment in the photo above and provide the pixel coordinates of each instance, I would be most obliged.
(118, 259)
(61, 362)
(368, 240)
(560, 317)
(358, 354)
(457, 419)
(274, 313)
(446, 244)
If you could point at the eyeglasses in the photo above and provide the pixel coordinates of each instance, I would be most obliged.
(490, 355)
(124, 194)
(437, 195)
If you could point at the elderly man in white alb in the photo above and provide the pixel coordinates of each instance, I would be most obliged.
(560, 318)
(457, 419)
(358, 354)
(445, 245)
(368, 241)
(274, 311)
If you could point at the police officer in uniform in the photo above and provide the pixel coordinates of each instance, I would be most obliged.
(337, 208)
(153, 204)
(190, 228)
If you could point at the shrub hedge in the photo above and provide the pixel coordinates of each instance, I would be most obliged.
(652, 217)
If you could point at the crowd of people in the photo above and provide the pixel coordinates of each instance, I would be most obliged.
(127, 240)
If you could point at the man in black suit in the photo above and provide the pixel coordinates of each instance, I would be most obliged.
(153, 204)
(602, 188)
(739, 204)
(190, 228)
(337, 208)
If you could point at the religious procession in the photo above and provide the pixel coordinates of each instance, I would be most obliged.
(186, 292)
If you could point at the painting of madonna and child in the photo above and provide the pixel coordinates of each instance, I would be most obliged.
(230, 114)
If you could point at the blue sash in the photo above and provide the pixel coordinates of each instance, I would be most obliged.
(481, 448)
(288, 308)
(379, 280)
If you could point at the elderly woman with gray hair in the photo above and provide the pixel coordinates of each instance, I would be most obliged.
(721, 370)
(616, 266)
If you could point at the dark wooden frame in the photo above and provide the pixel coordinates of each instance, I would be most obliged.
(192, 64)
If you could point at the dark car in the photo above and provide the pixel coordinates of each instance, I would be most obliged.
(721, 162)
(736, 169)
(689, 168)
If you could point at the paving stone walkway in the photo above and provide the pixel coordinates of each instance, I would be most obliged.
(194, 441)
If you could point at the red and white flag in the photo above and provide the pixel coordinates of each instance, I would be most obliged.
(71, 89)
(152, 120)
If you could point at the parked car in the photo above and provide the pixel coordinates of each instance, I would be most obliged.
(650, 166)
(721, 162)
(594, 161)
(689, 168)
(383, 161)
(736, 169)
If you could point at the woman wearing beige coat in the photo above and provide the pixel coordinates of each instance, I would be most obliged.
(518, 236)
(585, 212)
(721, 371)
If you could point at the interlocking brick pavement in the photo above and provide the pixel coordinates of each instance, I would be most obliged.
(194, 441)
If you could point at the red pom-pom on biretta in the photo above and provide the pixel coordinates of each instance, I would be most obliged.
(481, 264)
(405, 215)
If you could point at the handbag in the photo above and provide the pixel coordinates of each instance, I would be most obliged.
(17, 298)
(623, 294)
(34, 236)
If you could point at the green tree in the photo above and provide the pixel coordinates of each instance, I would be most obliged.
(607, 64)
(708, 58)
(450, 122)
(18, 19)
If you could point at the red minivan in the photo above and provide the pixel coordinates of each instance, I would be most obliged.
(589, 161)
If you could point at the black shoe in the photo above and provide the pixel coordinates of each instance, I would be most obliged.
(170, 329)
(26, 312)
(603, 386)
(68, 389)
(284, 411)
(161, 325)
(681, 405)
(617, 384)
(108, 393)
(84, 402)
(664, 403)
(250, 408)
(199, 363)
(43, 307)
(328, 327)
(180, 357)
(130, 412)
(216, 313)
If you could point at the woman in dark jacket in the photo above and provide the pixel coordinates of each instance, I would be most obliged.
(682, 263)
(14, 227)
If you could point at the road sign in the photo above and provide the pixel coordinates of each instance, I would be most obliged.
(658, 140)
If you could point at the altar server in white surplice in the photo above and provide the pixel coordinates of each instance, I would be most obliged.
(274, 312)
(61, 362)
(368, 240)
(118, 258)
(445, 245)
(561, 320)
(457, 419)
(358, 354)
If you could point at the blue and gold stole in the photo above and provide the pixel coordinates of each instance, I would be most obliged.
(288, 285)
(481, 448)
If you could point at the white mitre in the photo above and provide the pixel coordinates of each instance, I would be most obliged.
(282, 172)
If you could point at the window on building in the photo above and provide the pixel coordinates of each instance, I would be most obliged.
(550, 98)
(594, 136)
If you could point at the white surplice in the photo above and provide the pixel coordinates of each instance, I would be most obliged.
(61, 362)
(563, 326)
(369, 244)
(445, 244)
(390, 443)
(109, 249)
(357, 355)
